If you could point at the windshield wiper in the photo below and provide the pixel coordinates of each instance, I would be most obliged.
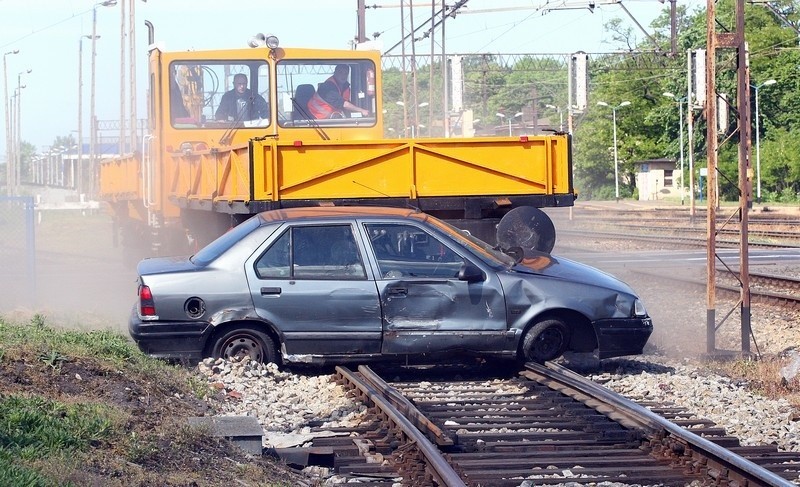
(312, 121)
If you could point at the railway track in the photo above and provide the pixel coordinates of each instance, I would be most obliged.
(545, 426)
(766, 289)
(674, 239)
(673, 225)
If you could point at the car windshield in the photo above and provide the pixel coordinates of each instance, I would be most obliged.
(483, 250)
(210, 252)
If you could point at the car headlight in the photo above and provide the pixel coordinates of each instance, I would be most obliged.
(638, 308)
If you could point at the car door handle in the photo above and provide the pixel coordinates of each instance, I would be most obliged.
(267, 291)
(398, 291)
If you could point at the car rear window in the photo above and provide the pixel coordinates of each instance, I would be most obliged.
(210, 252)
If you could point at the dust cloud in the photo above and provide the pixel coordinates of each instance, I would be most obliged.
(80, 279)
(678, 308)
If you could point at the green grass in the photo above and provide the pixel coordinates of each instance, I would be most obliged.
(54, 345)
(88, 408)
(13, 474)
(36, 429)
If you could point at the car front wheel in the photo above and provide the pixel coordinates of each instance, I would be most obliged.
(545, 340)
(238, 343)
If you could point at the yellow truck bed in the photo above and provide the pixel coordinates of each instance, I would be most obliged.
(388, 168)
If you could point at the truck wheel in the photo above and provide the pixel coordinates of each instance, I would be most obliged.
(527, 227)
(243, 342)
(545, 340)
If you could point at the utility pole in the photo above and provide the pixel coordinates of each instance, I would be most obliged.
(730, 40)
(361, 36)
(9, 166)
(122, 103)
(690, 132)
(132, 74)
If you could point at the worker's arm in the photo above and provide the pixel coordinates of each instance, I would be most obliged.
(350, 107)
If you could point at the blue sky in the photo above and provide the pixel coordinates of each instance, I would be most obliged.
(47, 34)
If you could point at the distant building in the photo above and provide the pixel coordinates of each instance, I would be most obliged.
(657, 179)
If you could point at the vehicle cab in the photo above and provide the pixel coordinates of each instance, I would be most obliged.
(199, 86)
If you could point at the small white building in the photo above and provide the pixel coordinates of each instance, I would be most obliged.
(658, 179)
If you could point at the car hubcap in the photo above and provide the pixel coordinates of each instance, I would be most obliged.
(547, 343)
(240, 347)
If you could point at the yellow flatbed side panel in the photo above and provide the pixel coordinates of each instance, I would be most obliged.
(120, 179)
(219, 175)
(411, 168)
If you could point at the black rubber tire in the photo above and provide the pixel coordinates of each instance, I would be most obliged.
(546, 340)
(246, 341)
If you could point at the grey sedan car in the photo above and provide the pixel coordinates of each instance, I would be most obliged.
(336, 284)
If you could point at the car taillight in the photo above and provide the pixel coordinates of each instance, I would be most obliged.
(146, 305)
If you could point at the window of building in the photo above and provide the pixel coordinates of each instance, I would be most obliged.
(668, 182)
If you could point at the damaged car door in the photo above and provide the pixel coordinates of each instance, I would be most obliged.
(426, 306)
(311, 283)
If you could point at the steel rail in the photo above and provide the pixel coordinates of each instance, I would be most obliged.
(747, 472)
(765, 297)
(676, 240)
(405, 407)
(768, 280)
(436, 464)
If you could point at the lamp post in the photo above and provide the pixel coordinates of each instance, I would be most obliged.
(758, 139)
(92, 116)
(79, 164)
(560, 116)
(15, 135)
(616, 161)
(415, 125)
(9, 167)
(502, 117)
(18, 143)
(510, 119)
(518, 114)
(12, 143)
(680, 130)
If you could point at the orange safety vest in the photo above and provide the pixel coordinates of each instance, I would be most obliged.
(322, 109)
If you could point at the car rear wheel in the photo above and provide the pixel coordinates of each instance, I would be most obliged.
(238, 343)
(545, 340)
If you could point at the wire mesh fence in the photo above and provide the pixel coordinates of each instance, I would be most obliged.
(17, 252)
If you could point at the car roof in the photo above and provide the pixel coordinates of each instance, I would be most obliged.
(317, 212)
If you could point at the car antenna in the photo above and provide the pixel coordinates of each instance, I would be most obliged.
(413, 207)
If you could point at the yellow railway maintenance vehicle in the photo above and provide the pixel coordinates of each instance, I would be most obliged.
(201, 171)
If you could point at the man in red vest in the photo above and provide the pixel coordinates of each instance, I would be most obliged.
(332, 99)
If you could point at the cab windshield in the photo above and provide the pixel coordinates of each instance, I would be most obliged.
(327, 92)
(219, 94)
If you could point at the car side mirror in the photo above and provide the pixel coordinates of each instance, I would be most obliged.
(470, 272)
